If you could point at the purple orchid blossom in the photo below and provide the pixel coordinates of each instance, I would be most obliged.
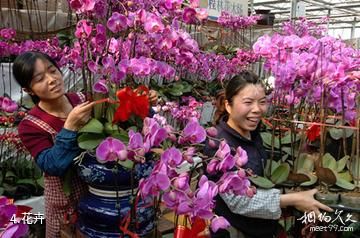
(8, 105)
(111, 149)
(117, 22)
(193, 133)
(101, 87)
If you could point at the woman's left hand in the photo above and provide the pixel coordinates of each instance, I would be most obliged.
(153, 97)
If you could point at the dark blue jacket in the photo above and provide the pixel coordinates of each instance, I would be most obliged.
(251, 227)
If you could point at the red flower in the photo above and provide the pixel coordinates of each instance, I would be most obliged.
(132, 102)
(313, 132)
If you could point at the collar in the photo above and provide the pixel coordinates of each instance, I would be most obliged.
(225, 127)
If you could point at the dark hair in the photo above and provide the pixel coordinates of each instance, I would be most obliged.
(236, 84)
(24, 66)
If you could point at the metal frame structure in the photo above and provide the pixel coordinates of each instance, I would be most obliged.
(343, 14)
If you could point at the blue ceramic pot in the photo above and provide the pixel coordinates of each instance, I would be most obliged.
(109, 200)
(104, 176)
(100, 216)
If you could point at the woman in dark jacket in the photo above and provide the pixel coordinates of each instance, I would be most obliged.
(239, 111)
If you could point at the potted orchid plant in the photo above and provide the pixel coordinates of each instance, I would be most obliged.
(316, 103)
(121, 49)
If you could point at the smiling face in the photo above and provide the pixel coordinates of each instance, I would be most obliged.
(47, 82)
(246, 109)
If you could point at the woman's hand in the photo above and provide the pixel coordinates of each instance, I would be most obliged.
(79, 116)
(304, 201)
(153, 97)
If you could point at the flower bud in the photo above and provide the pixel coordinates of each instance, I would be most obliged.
(212, 143)
(211, 131)
(241, 173)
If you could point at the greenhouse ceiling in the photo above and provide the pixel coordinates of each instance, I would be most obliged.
(344, 15)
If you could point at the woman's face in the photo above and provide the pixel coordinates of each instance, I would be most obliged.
(247, 108)
(47, 82)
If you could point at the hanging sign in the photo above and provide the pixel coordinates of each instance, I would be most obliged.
(234, 7)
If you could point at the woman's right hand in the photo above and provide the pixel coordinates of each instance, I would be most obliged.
(304, 201)
(79, 116)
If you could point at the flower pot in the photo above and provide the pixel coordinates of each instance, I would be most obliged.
(100, 216)
(110, 198)
(351, 199)
(106, 177)
(327, 198)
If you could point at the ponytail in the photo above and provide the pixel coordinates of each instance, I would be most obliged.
(220, 106)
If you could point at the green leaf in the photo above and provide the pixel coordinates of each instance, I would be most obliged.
(287, 150)
(261, 182)
(337, 133)
(344, 184)
(342, 163)
(313, 178)
(175, 89)
(89, 141)
(40, 181)
(345, 176)
(281, 173)
(304, 162)
(266, 137)
(287, 138)
(26, 181)
(111, 128)
(284, 157)
(123, 136)
(93, 126)
(187, 87)
(127, 164)
(2, 190)
(274, 165)
(10, 174)
(329, 162)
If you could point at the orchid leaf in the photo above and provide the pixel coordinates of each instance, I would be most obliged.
(281, 173)
(261, 182)
(337, 133)
(40, 182)
(2, 190)
(304, 162)
(122, 135)
(267, 137)
(10, 175)
(329, 162)
(342, 163)
(312, 178)
(127, 163)
(93, 126)
(287, 139)
(345, 184)
(111, 128)
(89, 141)
(287, 150)
(26, 181)
(176, 89)
(274, 165)
(345, 176)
